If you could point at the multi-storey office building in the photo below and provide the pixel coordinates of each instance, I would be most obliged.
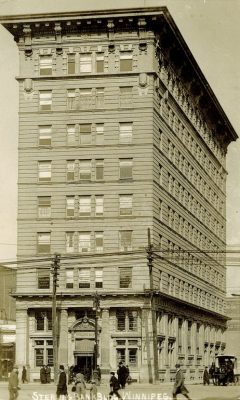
(119, 132)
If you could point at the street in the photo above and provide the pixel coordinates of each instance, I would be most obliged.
(135, 391)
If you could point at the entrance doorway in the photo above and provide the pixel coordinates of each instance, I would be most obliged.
(85, 364)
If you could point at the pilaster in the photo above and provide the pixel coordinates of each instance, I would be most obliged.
(63, 338)
(105, 340)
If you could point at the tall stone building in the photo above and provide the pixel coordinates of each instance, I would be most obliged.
(119, 132)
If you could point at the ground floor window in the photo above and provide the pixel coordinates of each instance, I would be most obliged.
(127, 352)
(43, 352)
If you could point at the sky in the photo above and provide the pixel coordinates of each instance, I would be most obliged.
(210, 28)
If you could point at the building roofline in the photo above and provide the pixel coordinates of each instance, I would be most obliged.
(130, 12)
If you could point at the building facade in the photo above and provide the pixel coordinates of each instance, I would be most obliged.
(119, 132)
(7, 320)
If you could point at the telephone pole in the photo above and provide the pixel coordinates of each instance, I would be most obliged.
(152, 305)
(55, 273)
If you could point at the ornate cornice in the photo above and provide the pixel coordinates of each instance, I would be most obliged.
(170, 45)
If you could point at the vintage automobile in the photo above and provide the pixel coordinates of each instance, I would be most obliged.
(225, 370)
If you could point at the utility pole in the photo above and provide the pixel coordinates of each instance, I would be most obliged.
(55, 273)
(152, 305)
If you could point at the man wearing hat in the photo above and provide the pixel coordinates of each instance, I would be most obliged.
(179, 387)
(114, 386)
(62, 383)
(13, 384)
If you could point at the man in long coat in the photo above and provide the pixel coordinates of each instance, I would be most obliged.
(13, 384)
(62, 383)
(179, 387)
(122, 375)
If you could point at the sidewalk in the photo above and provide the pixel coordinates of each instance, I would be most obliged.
(135, 391)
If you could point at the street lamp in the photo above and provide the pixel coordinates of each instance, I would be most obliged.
(96, 308)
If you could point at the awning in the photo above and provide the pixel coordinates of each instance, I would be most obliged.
(84, 346)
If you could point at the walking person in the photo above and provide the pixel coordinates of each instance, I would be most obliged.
(114, 386)
(206, 378)
(80, 385)
(24, 374)
(179, 387)
(62, 383)
(13, 383)
(93, 390)
(122, 375)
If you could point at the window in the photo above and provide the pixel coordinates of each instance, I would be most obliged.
(125, 132)
(85, 167)
(71, 133)
(45, 136)
(127, 320)
(99, 242)
(126, 63)
(43, 320)
(44, 242)
(125, 277)
(98, 206)
(132, 357)
(125, 168)
(85, 134)
(45, 65)
(69, 278)
(45, 100)
(84, 206)
(84, 242)
(69, 242)
(100, 62)
(85, 98)
(44, 207)
(100, 97)
(71, 64)
(99, 134)
(71, 99)
(70, 205)
(39, 320)
(125, 204)
(126, 94)
(125, 238)
(99, 170)
(98, 278)
(85, 64)
(43, 350)
(70, 170)
(43, 279)
(84, 278)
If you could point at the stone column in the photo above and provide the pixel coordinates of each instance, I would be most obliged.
(22, 337)
(63, 338)
(105, 341)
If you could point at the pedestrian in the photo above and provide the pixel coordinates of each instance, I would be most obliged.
(24, 374)
(114, 386)
(13, 383)
(179, 386)
(93, 390)
(99, 373)
(212, 373)
(48, 374)
(122, 375)
(62, 383)
(206, 379)
(80, 385)
(43, 378)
